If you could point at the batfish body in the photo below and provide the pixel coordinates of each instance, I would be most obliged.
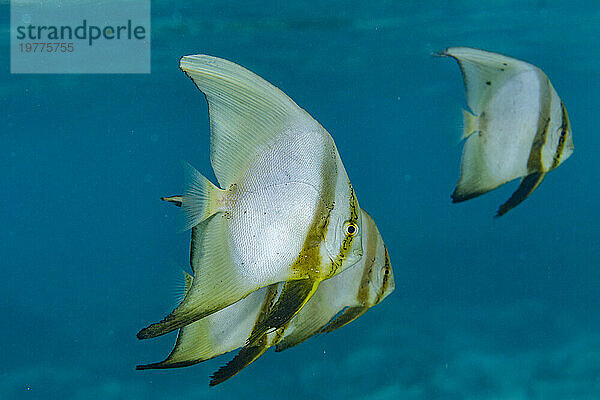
(337, 301)
(284, 211)
(518, 128)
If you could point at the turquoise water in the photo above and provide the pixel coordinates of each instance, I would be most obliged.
(484, 308)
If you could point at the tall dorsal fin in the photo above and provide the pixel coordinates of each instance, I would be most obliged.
(484, 73)
(246, 112)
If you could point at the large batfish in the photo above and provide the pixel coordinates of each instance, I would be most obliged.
(284, 211)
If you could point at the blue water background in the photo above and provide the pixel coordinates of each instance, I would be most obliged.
(484, 308)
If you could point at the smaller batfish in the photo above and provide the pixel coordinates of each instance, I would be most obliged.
(518, 127)
(337, 302)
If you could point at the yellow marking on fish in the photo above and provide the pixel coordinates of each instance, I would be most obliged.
(308, 262)
(348, 237)
(371, 256)
(386, 278)
(534, 162)
(564, 130)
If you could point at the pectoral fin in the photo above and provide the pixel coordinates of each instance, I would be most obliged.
(526, 187)
(293, 297)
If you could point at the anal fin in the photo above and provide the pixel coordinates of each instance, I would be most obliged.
(246, 356)
(294, 296)
(526, 187)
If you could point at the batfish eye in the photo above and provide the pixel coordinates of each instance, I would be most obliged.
(350, 228)
(385, 272)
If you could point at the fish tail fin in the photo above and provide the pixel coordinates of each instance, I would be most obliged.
(175, 200)
(246, 356)
(470, 124)
(201, 198)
